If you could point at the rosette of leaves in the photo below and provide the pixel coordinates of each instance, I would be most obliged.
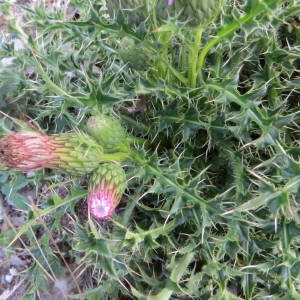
(193, 13)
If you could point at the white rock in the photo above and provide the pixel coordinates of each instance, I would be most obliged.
(8, 278)
(13, 272)
(18, 44)
(30, 174)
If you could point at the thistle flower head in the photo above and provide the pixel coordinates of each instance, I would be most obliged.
(107, 184)
(70, 153)
(192, 13)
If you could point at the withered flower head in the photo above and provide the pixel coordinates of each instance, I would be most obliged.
(71, 153)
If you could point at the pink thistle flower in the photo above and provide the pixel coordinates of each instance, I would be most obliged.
(107, 184)
(170, 2)
(71, 153)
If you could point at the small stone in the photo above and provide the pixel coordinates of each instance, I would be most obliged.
(30, 174)
(5, 294)
(8, 278)
(13, 272)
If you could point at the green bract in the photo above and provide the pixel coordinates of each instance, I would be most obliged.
(79, 154)
(193, 13)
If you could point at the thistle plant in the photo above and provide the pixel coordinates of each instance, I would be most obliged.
(136, 56)
(212, 157)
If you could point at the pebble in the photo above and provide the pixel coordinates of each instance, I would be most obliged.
(8, 278)
(13, 272)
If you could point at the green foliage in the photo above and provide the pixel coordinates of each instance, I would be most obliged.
(11, 187)
(212, 205)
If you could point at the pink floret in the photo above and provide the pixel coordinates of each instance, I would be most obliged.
(101, 204)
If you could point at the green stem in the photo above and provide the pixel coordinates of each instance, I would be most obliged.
(183, 57)
(138, 125)
(205, 50)
(179, 76)
(136, 140)
(163, 39)
(164, 65)
(194, 46)
(49, 84)
(117, 156)
(273, 80)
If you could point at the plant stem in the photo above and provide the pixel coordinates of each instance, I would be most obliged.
(138, 125)
(163, 38)
(194, 46)
(164, 65)
(183, 57)
(205, 50)
(117, 156)
(273, 92)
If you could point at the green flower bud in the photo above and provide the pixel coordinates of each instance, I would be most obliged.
(136, 56)
(194, 13)
(106, 130)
